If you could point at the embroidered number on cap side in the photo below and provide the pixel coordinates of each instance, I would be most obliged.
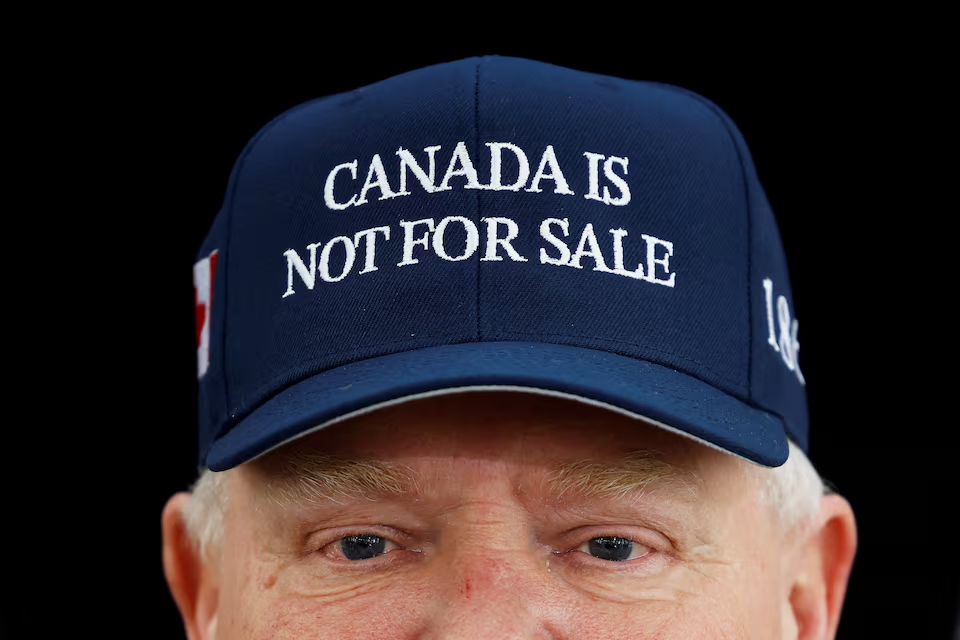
(787, 344)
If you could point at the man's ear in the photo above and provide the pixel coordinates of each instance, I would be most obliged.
(820, 581)
(191, 578)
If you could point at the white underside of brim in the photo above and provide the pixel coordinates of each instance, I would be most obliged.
(500, 387)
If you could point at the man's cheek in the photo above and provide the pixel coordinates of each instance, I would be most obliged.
(295, 607)
(407, 606)
(706, 597)
(327, 588)
(673, 586)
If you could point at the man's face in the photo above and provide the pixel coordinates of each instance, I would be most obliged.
(497, 516)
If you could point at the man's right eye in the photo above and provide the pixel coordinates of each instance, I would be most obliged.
(360, 547)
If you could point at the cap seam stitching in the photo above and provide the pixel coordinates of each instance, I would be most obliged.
(239, 413)
(476, 150)
(721, 116)
(228, 207)
(626, 342)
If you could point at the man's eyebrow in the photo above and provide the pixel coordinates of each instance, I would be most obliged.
(315, 478)
(312, 478)
(631, 477)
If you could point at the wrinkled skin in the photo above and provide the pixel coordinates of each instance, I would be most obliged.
(482, 546)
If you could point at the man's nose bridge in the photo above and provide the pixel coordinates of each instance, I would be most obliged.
(487, 575)
(489, 595)
(479, 565)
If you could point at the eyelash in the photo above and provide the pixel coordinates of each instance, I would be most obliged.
(652, 546)
(332, 549)
(584, 548)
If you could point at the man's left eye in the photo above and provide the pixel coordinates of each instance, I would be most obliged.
(614, 548)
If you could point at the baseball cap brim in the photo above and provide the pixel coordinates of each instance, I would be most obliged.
(654, 393)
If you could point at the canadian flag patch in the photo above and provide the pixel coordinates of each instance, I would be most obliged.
(203, 273)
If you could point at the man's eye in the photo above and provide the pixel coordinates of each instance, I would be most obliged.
(614, 548)
(361, 547)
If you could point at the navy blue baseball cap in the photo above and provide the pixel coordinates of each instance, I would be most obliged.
(497, 223)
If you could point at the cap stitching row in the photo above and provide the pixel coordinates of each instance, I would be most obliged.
(476, 148)
(632, 344)
(240, 412)
(228, 208)
(721, 116)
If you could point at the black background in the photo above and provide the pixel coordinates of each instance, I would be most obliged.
(842, 141)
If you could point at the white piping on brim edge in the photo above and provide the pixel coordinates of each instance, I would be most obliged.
(505, 387)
